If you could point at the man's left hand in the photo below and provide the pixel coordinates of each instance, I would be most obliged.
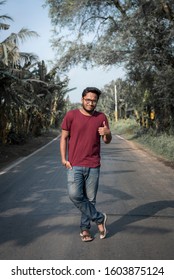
(103, 130)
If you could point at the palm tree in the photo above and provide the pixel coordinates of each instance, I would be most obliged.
(30, 98)
(12, 68)
(11, 55)
(9, 48)
(4, 26)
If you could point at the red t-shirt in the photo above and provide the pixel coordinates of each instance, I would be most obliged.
(84, 139)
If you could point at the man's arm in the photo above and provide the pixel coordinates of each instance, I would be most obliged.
(63, 145)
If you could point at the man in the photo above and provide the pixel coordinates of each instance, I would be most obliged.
(81, 132)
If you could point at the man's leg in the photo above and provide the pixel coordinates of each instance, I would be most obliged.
(91, 176)
(91, 188)
(76, 179)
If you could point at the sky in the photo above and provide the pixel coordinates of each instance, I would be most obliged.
(30, 14)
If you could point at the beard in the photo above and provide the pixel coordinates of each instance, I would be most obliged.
(90, 111)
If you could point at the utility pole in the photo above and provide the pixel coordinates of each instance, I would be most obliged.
(116, 104)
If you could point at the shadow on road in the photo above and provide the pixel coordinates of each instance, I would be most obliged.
(140, 213)
(34, 201)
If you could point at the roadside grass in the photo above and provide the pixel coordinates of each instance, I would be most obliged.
(160, 144)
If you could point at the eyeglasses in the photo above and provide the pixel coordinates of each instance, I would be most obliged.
(88, 101)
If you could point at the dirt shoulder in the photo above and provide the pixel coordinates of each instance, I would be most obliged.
(160, 158)
(10, 153)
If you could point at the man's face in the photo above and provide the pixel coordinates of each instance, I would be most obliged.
(89, 102)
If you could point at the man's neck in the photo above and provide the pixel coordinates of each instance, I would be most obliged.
(87, 113)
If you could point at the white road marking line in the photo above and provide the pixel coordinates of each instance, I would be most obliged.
(21, 160)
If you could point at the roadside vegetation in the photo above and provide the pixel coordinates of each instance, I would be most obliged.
(160, 144)
(32, 99)
(136, 35)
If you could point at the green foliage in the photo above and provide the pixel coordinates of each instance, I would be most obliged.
(96, 19)
(161, 144)
(31, 100)
(126, 127)
(136, 34)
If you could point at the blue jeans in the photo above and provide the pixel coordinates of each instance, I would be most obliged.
(82, 188)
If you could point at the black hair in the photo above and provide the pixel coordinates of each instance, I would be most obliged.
(91, 89)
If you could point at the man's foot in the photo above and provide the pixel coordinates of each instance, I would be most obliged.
(102, 228)
(86, 236)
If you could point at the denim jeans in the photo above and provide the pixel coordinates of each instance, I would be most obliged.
(82, 188)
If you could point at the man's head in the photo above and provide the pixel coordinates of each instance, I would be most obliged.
(90, 97)
(93, 90)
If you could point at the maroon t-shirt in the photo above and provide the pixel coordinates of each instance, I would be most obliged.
(84, 139)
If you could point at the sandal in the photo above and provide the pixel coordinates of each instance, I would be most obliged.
(104, 232)
(87, 237)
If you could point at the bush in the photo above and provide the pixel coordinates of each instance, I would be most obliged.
(128, 127)
(160, 144)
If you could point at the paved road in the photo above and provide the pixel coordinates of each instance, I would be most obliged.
(37, 220)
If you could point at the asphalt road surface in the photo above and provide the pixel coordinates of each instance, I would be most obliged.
(38, 221)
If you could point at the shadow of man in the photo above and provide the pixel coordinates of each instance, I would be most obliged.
(139, 213)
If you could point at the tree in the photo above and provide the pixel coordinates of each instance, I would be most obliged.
(151, 64)
(30, 98)
(11, 55)
(125, 101)
(95, 25)
(138, 33)
(106, 32)
(4, 26)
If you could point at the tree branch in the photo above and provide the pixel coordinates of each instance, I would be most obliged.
(99, 17)
(119, 7)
